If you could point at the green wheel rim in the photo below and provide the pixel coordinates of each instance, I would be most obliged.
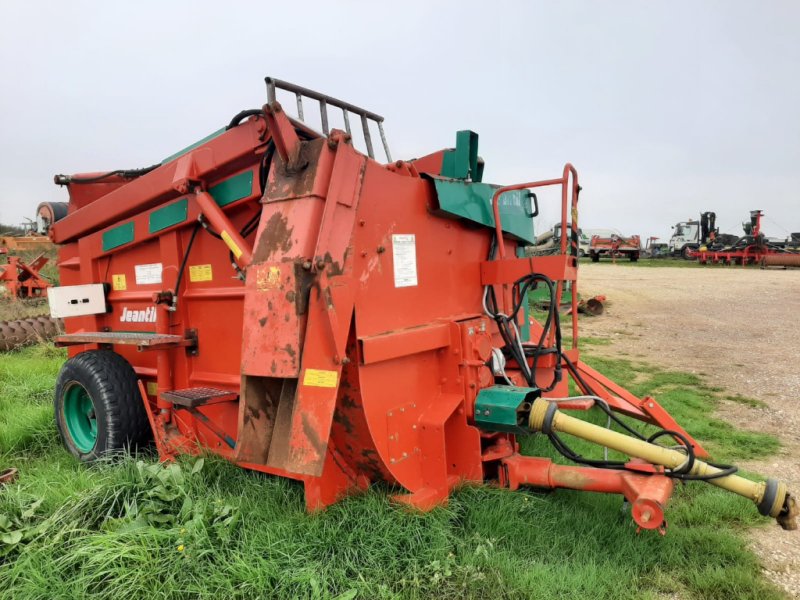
(80, 417)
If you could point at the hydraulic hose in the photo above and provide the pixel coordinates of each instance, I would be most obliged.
(241, 116)
(770, 497)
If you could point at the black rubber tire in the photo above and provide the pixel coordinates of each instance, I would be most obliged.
(685, 252)
(634, 257)
(110, 382)
(595, 257)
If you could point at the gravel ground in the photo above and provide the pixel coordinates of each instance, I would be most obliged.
(737, 328)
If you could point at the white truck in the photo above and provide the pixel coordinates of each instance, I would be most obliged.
(688, 236)
(685, 238)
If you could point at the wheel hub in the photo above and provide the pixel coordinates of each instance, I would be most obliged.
(80, 417)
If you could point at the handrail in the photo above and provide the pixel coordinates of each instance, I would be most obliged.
(563, 181)
(325, 100)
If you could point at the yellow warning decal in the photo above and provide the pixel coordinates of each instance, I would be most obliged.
(268, 279)
(152, 388)
(320, 378)
(118, 282)
(237, 252)
(200, 273)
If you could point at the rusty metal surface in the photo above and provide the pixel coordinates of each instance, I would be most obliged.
(143, 339)
(193, 397)
(781, 260)
(263, 403)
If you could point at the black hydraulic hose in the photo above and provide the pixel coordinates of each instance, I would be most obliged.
(570, 454)
(604, 407)
(683, 472)
(514, 346)
(124, 173)
(519, 296)
(552, 320)
(250, 112)
(266, 165)
(182, 268)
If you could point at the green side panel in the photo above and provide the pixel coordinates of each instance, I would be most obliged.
(180, 153)
(503, 408)
(120, 235)
(233, 189)
(170, 215)
(462, 163)
(525, 327)
(473, 201)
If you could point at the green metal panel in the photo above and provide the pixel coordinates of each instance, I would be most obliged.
(233, 189)
(525, 327)
(473, 201)
(504, 408)
(170, 215)
(180, 153)
(118, 236)
(462, 163)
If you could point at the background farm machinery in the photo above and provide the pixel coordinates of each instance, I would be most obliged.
(277, 297)
(614, 246)
(549, 242)
(23, 284)
(22, 279)
(701, 240)
(25, 250)
(752, 248)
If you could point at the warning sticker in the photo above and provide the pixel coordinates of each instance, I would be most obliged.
(146, 274)
(152, 388)
(200, 273)
(320, 378)
(118, 282)
(404, 254)
(268, 278)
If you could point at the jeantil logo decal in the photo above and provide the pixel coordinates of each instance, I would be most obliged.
(147, 315)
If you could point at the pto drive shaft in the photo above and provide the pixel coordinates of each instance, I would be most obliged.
(771, 497)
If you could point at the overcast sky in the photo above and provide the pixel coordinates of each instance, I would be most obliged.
(666, 109)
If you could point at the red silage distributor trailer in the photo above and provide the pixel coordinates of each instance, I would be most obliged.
(281, 299)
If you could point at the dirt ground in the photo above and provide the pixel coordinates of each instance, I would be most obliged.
(737, 328)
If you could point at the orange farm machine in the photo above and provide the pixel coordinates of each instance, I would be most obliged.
(615, 246)
(279, 298)
(21, 279)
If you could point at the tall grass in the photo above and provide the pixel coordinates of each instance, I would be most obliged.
(131, 529)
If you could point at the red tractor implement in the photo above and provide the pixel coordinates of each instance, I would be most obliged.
(752, 248)
(279, 298)
(22, 280)
(614, 247)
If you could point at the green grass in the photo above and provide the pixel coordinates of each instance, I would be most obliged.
(746, 400)
(131, 529)
(677, 263)
(646, 262)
